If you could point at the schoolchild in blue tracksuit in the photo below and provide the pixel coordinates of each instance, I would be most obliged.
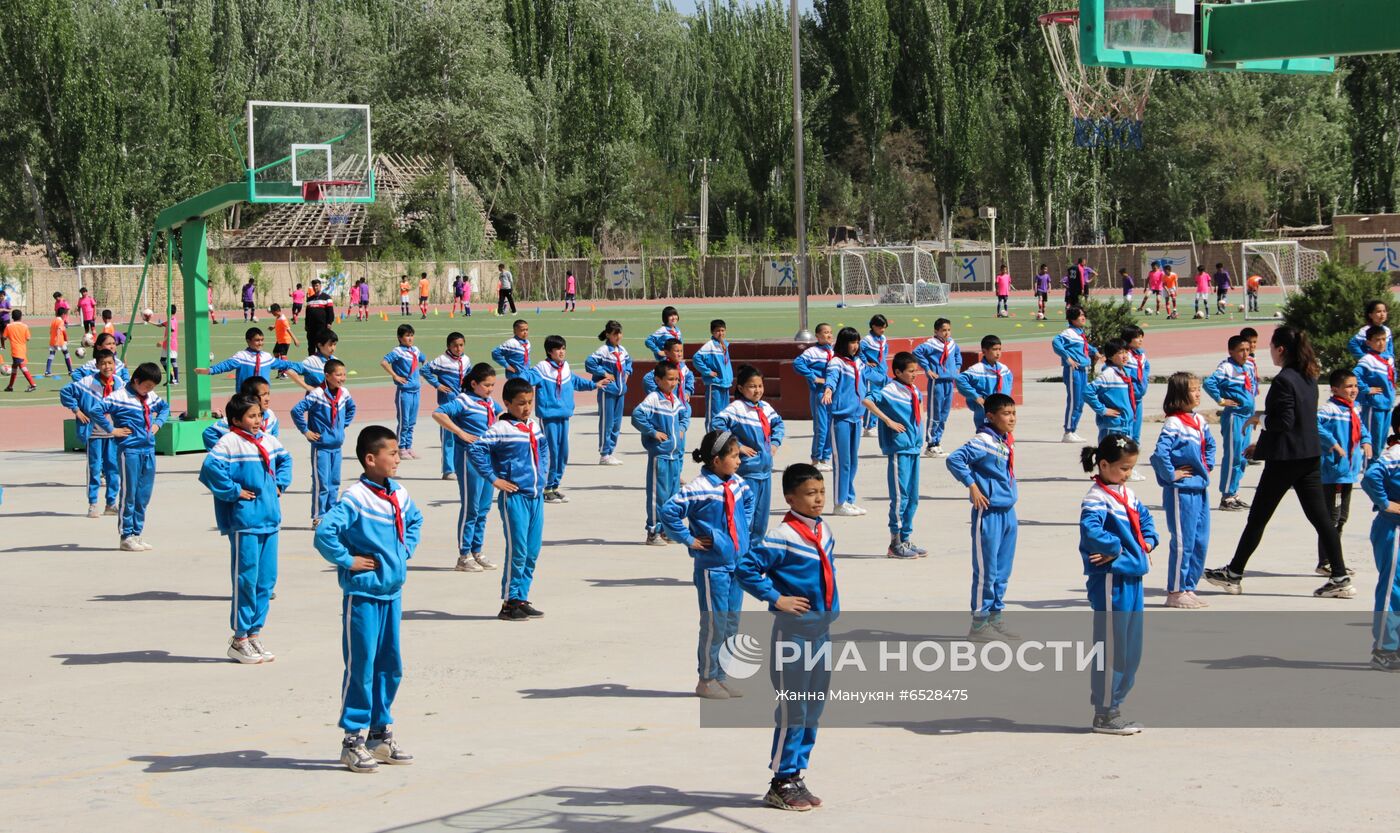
(1139, 371)
(874, 353)
(247, 471)
(101, 445)
(258, 388)
(1112, 396)
(322, 417)
(985, 378)
(555, 384)
(811, 364)
(1234, 386)
(404, 364)
(1182, 461)
(370, 535)
(712, 366)
(1347, 445)
(251, 362)
(1077, 358)
(986, 465)
(133, 415)
(673, 353)
(760, 431)
(1382, 485)
(1377, 314)
(1375, 378)
(845, 390)
(662, 419)
(446, 374)
(513, 455)
(610, 359)
(108, 342)
(900, 409)
(313, 367)
(468, 417)
(941, 359)
(670, 328)
(711, 516)
(1116, 534)
(513, 354)
(793, 570)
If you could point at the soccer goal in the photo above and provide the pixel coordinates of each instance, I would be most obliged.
(117, 286)
(884, 275)
(1283, 267)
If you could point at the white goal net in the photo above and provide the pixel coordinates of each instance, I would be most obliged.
(1282, 266)
(884, 275)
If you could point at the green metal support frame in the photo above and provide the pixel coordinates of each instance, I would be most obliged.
(1274, 29)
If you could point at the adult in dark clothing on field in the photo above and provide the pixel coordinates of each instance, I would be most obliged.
(320, 315)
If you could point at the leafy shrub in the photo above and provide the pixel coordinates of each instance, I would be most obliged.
(1107, 320)
(1331, 308)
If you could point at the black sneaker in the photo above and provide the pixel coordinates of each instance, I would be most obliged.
(816, 802)
(1113, 723)
(511, 612)
(1224, 579)
(530, 610)
(1336, 588)
(1385, 661)
(1239, 504)
(788, 794)
(1326, 571)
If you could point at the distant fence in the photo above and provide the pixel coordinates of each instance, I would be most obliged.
(648, 275)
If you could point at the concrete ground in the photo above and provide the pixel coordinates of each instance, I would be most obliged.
(123, 714)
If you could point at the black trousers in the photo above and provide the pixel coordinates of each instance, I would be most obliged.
(1304, 477)
(1339, 504)
(505, 296)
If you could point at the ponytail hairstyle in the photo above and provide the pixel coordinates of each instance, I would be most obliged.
(1297, 351)
(715, 444)
(844, 339)
(1111, 449)
(480, 372)
(744, 373)
(1178, 399)
(613, 326)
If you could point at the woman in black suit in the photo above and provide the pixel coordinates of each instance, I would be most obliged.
(1292, 456)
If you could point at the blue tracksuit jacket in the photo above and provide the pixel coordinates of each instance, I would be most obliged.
(656, 342)
(136, 452)
(516, 451)
(89, 368)
(235, 464)
(1104, 529)
(1334, 427)
(988, 460)
(980, 381)
(1113, 389)
(408, 363)
(325, 413)
(1185, 442)
(1357, 344)
(475, 416)
(1115, 588)
(513, 354)
(313, 369)
(1139, 371)
(100, 445)
(555, 384)
(1382, 485)
(847, 388)
(447, 371)
(699, 509)
(810, 364)
(712, 365)
(903, 404)
(685, 389)
(942, 362)
(874, 354)
(845, 379)
(1238, 383)
(660, 413)
(72, 395)
(245, 364)
(362, 523)
(1376, 371)
(741, 418)
(216, 432)
(1072, 345)
(616, 361)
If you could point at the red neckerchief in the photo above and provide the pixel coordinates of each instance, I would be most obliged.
(617, 359)
(1355, 421)
(1137, 354)
(996, 370)
(915, 404)
(855, 371)
(558, 377)
(943, 358)
(724, 348)
(534, 442)
(333, 399)
(1389, 365)
(461, 369)
(1084, 341)
(676, 334)
(145, 409)
(883, 343)
(1132, 391)
(728, 486)
(814, 537)
(1133, 517)
(525, 346)
(489, 409)
(680, 385)
(670, 399)
(106, 386)
(257, 361)
(262, 452)
(393, 499)
(762, 420)
(1200, 425)
(1010, 442)
(412, 362)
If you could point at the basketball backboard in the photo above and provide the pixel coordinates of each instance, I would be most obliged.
(309, 152)
(1162, 34)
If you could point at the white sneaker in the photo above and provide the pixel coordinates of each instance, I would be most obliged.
(609, 460)
(145, 545)
(467, 564)
(860, 510)
(484, 562)
(241, 650)
(938, 451)
(823, 465)
(1135, 477)
(131, 544)
(847, 510)
(256, 644)
(1071, 437)
(929, 451)
(94, 511)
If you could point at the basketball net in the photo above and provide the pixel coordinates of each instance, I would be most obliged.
(1107, 108)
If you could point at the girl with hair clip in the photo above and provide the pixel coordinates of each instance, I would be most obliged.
(1116, 537)
(1182, 461)
(711, 516)
(610, 359)
(468, 416)
(845, 392)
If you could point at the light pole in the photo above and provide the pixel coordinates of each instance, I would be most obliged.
(989, 214)
(804, 276)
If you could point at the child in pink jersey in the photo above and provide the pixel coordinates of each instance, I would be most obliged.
(87, 307)
(1003, 287)
(1202, 306)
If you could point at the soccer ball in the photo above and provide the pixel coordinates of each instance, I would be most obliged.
(1241, 307)
(89, 339)
(1199, 315)
(81, 352)
(4, 370)
(1040, 316)
(147, 313)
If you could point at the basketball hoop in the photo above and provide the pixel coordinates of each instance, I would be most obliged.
(337, 194)
(1107, 106)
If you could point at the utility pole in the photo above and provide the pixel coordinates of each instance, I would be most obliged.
(704, 235)
(804, 276)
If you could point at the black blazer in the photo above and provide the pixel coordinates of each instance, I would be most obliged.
(1290, 419)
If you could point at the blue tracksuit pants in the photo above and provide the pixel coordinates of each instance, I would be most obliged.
(475, 493)
(716, 400)
(845, 453)
(137, 473)
(1141, 414)
(993, 553)
(449, 451)
(821, 425)
(609, 422)
(868, 420)
(556, 439)
(254, 571)
(522, 517)
(406, 409)
(1188, 523)
(762, 488)
(369, 643)
(902, 476)
(1121, 424)
(796, 718)
(721, 598)
(325, 479)
(1385, 546)
(1117, 604)
(940, 405)
(102, 463)
(1232, 446)
(1377, 421)
(1075, 383)
(979, 415)
(663, 481)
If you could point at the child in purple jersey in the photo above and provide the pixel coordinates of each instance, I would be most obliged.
(1042, 290)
